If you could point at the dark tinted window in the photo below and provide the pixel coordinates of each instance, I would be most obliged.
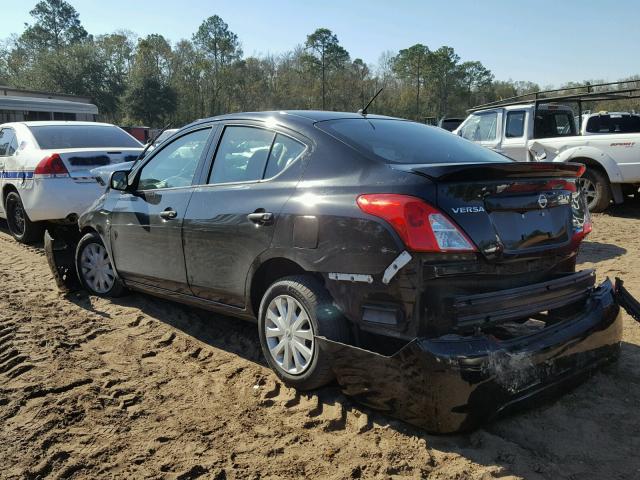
(64, 116)
(7, 142)
(284, 152)
(81, 136)
(174, 165)
(451, 123)
(551, 123)
(614, 124)
(515, 124)
(242, 155)
(398, 141)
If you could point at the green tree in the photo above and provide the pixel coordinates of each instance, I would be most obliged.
(150, 96)
(444, 76)
(412, 64)
(150, 101)
(221, 48)
(475, 78)
(57, 25)
(325, 53)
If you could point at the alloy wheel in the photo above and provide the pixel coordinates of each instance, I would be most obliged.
(590, 191)
(96, 268)
(16, 216)
(289, 334)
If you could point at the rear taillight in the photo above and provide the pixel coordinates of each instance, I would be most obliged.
(584, 229)
(421, 227)
(51, 166)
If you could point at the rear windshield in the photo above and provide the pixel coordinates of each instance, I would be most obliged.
(81, 136)
(401, 141)
(614, 124)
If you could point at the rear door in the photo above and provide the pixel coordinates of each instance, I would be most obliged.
(146, 229)
(231, 219)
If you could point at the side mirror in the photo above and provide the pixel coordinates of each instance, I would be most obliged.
(119, 180)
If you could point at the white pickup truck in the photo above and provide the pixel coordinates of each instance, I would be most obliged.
(612, 160)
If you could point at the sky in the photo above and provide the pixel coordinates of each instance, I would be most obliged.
(549, 42)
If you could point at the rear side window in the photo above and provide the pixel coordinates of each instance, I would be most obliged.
(515, 124)
(481, 127)
(242, 155)
(401, 141)
(248, 154)
(82, 136)
(554, 124)
(284, 152)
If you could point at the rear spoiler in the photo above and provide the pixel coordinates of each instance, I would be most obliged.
(496, 171)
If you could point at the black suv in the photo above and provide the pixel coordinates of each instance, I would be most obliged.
(433, 277)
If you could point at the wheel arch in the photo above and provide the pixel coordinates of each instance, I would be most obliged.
(266, 273)
(594, 158)
(6, 189)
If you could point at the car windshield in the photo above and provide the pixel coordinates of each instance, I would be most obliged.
(402, 141)
(82, 136)
(164, 135)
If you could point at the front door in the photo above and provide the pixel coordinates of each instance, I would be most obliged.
(231, 220)
(146, 228)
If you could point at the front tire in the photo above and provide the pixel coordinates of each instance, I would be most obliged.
(596, 189)
(293, 311)
(20, 226)
(95, 269)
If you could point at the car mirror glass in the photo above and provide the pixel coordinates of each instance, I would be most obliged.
(119, 180)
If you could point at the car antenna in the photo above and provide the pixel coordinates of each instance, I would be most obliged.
(152, 141)
(363, 111)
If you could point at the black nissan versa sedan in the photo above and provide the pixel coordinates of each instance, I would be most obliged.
(433, 278)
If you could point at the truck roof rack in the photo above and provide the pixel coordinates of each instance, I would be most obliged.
(623, 90)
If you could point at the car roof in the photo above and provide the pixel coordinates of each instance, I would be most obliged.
(292, 117)
(51, 123)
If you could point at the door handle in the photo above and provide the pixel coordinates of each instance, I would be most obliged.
(261, 218)
(168, 214)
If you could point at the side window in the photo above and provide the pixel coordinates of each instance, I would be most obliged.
(174, 165)
(515, 124)
(284, 152)
(242, 154)
(7, 142)
(554, 124)
(564, 124)
(481, 127)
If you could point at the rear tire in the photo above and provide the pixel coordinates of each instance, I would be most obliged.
(95, 269)
(596, 189)
(293, 311)
(20, 226)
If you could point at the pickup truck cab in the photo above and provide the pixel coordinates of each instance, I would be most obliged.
(548, 133)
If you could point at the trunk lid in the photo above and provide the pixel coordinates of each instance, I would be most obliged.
(80, 162)
(511, 209)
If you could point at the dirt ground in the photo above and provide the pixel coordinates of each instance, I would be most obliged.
(143, 388)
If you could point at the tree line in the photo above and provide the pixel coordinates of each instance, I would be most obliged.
(152, 81)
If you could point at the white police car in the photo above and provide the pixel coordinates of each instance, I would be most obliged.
(45, 170)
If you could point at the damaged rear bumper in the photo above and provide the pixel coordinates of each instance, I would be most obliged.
(454, 383)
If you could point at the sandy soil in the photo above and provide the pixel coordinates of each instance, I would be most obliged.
(142, 388)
